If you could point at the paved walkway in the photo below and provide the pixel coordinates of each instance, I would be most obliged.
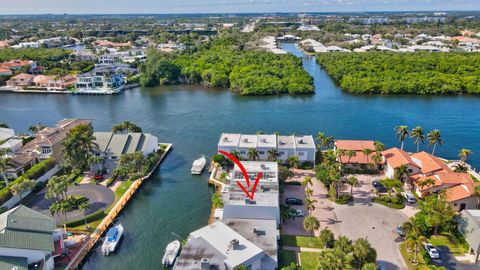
(302, 249)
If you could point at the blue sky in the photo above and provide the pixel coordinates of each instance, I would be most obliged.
(226, 6)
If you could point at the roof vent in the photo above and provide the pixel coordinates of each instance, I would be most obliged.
(204, 263)
(234, 243)
(301, 141)
(245, 140)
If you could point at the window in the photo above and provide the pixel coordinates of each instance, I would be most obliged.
(410, 170)
(46, 150)
(242, 152)
(281, 153)
(301, 154)
(261, 152)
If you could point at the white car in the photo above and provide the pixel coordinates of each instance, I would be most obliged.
(410, 198)
(297, 212)
(432, 251)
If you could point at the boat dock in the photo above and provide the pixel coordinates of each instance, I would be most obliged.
(112, 215)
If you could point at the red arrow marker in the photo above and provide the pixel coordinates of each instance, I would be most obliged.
(245, 175)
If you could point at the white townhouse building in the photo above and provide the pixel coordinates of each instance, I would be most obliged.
(302, 146)
(113, 145)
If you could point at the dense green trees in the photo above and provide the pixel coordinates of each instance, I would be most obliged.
(224, 63)
(404, 73)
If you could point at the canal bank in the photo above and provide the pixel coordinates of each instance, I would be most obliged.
(193, 117)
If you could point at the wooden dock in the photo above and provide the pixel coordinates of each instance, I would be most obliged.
(112, 215)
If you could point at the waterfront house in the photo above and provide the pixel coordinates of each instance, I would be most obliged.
(21, 80)
(301, 146)
(11, 145)
(16, 65)
(359, 161)
(113, 145)
(41, 81)
(265, 203)
(469, 227)
(5, 72)
(217, 246)
(28, 240)
(62, 83)
(48, 143)
(430, 175)
(100, 80)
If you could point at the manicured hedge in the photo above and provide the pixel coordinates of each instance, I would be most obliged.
(100, 214)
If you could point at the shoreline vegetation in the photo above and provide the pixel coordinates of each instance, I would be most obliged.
(224, 62)
(404, 73)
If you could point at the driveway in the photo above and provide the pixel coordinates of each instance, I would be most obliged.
(449, 261)
(99, 197)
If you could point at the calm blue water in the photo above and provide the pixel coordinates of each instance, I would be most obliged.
(192, 118)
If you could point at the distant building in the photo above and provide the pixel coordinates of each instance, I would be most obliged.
(305, 27)
(28, 237)
(6, 133)
(100, 80)
(112, 145)
(301, 146)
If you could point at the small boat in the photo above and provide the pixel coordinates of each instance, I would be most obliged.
(171, 252)
(198, 165)
(112, 238)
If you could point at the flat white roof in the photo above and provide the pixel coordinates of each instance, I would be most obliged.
(258, 166)
(268, 141)
(229, 139)
(305, 141)
(248, 141)
(219, 235)
(286, 142)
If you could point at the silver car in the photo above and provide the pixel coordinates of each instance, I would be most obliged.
(432, 251)
(410, 198)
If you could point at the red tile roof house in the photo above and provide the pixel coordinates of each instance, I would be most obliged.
(21, 80)
(360, 161)
(459, 187)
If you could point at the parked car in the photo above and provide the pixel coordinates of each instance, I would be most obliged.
(410, 198)
(432, 251)
(293, 201)
(298, 212)
(400, 231)
(98, 177)
(379, 187)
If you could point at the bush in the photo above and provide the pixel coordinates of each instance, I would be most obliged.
(110, 181)
(5, 195)
(307, 165)
(39, 169)
(396, 202)
(92, 217)
(39, 186)
(219, 158)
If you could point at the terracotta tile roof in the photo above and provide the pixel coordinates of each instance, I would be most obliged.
(5, 70)
(359, 158)
(449, 178)
(41, 79)
(396, 158)
(429, 163)
(22, 76)
(356, 145)
(460, 192)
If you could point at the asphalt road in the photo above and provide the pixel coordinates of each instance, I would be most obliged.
(449, 261)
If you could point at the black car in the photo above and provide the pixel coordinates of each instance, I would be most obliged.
(379, 187)
(293, 201)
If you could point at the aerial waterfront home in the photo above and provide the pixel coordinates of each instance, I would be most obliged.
(21, 80)
(359, 160)
(423, 167)
(5, 72)
(217, 246)
(6, 133)
(294, 145)
(265, 204)
(101, 80)
(48, 143)
(113, 145)
(28, 240)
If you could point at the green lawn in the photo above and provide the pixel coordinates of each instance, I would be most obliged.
(309, 260)
(286, 257)
(301, 241)
(122, 188)
(456, 246)
(408, 257)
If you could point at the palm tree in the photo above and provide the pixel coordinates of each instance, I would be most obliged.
(379, 146)
(401, 133)
(4, 165)
(273, 154)
(331, 259)
(308, 192)
(361, 251)
(414, 242)
(311, 224)
(476, 193)
(307, 181)
(337, 184)
(235, 153)
(253, 154)
(4, 125)
(350, 154)
(400, 172)
(310, 204)
(327, 238)
(426, 183)
(463, 154)
(22, 186)
(84, 206)
(377, 159)
(343, 244)
(293, 160)
(460, 168)
(55, 209)
(320, 138)
(352, 181)
(327, 142)
(434, 137)
(418, 136)
(367, 152)
(340, 153)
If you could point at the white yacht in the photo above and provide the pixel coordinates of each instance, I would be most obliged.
(112, 238)
(198, 165)
(171, 252)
